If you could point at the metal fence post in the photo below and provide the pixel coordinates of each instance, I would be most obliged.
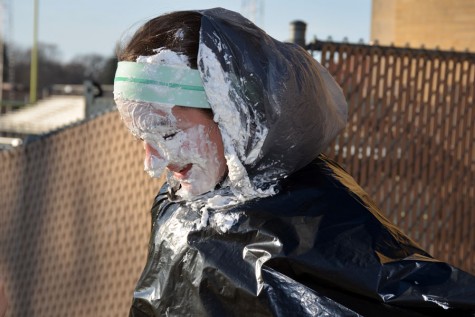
(89, 97)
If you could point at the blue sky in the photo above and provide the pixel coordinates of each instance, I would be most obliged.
(95, 26)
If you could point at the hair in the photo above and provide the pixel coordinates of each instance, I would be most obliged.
(177, 31)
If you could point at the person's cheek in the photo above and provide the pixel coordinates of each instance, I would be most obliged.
(193, 138)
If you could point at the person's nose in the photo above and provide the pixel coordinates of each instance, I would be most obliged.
(150, 150)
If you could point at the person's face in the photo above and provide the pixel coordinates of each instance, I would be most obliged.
(186, 141)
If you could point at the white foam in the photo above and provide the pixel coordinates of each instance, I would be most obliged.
(213, 209)
(224, 221)
(165, 56)
(235, 134)
(180, 34)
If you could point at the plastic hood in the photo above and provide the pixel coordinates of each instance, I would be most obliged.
(276, 106)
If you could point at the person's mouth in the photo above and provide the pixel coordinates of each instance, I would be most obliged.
(180, 172)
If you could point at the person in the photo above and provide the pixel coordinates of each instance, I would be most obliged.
(253, 219)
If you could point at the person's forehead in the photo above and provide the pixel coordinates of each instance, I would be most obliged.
(139, 107)
(182, 116)
(178, 112)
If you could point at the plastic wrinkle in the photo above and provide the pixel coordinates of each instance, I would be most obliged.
(442, 304)
(293, 254)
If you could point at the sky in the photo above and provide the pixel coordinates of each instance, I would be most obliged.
(95, 26)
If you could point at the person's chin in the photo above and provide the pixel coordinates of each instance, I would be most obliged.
(190, 188)
(189, 191)
(186, 191)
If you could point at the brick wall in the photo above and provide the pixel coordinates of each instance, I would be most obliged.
(443, 23)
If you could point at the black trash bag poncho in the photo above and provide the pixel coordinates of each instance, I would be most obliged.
(289, 233)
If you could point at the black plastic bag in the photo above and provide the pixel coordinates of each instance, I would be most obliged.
(318, 248)
(306, 240)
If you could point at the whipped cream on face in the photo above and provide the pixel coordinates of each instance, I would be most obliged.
(154, 164)
(165, 56)
(188, 154)
(155, 131)
(192, 146)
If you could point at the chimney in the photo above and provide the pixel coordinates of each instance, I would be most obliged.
(297, 32)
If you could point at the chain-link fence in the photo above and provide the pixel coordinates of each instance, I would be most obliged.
(74, 204)
(410, 139)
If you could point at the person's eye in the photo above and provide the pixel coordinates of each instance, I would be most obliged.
(169, 136)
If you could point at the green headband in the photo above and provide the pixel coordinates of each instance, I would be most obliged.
(160, 84)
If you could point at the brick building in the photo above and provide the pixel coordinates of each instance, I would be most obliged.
(445, 24)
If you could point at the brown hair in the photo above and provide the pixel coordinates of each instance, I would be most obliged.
(177, 31)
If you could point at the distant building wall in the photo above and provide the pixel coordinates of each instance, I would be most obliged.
(433, 23)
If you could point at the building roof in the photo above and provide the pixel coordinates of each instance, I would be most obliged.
(45, 116)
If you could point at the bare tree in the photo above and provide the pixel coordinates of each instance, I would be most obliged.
(51, 70)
